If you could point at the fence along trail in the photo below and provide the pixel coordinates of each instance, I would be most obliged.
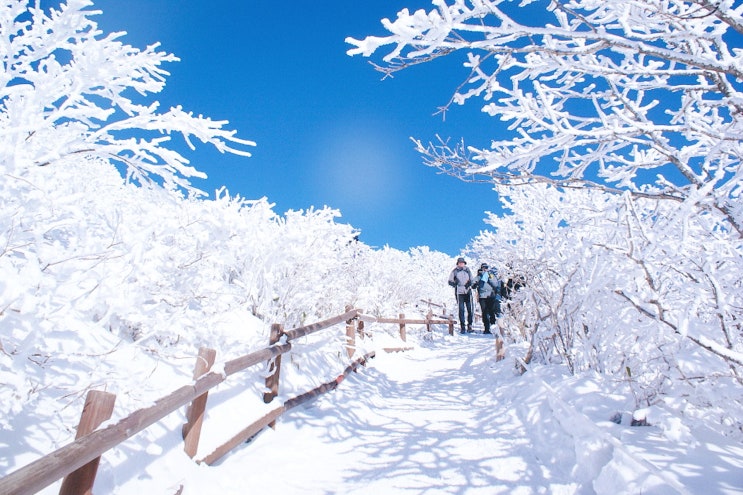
(78, 461)
(446, 416)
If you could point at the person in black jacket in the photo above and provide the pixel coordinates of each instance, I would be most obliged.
(461, 279)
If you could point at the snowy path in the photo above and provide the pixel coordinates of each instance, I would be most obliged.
(447, 419)
(423, 422)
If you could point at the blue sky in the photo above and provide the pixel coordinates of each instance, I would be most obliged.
(329, 130)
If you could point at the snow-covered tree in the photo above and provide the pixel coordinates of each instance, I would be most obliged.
(639, 95)
(631, 111)
(629, 287)
(67, 90)
(390, 281)
(108, 253)
(602, 95)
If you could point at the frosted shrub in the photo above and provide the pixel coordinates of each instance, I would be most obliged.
(614, 285)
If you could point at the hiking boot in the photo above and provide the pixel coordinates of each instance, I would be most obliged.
(469, 328)
(487, 331)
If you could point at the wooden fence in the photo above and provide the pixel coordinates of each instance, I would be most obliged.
(77, 462)
(427, 321)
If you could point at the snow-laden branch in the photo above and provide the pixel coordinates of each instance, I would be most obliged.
(604, 90)
(67, 89)
(708, 344)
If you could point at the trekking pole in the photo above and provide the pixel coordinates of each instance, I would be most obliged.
(456, 301)
(456, 298)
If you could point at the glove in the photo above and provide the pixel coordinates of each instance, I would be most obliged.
(467, 284)
(452, 283)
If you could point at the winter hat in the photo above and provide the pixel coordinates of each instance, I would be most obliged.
(461, 260)
(484, 266)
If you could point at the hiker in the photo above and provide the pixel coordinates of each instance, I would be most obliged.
(488, 288)
(461, 279)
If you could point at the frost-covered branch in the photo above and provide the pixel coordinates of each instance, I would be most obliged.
(703, 342)
(68, 90)
(598, 91)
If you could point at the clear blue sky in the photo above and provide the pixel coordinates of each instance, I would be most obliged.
(329, 130)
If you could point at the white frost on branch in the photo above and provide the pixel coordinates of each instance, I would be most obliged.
(595, 91)
(69, 90)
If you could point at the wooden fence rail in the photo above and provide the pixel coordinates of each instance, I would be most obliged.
(77, 461)
(428, 321)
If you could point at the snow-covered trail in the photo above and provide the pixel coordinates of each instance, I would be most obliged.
(446, 418)
(426, 420)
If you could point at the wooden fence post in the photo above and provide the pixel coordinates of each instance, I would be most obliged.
(451, 325)
(350, 334)
(272, 380)
(191, 431)
(500, 351)
(429, 316)
(98, 408)
(360, 329)
(403, 337)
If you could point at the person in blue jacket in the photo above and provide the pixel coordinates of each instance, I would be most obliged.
(487, 286)
(461, 279)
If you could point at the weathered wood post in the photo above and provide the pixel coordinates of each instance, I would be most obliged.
(98, 408)
(429, 316)
(272, 380)
(360, 329)
(191, 431)
(451, 325)
(350, 334)
(500, 351)
(403, 337)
